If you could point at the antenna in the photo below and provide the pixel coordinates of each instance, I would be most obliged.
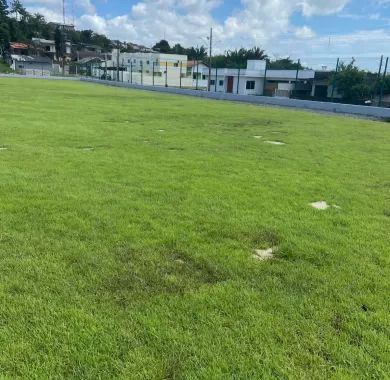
(63, 11)
(73, 12)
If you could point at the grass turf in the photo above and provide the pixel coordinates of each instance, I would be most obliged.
(134, 259)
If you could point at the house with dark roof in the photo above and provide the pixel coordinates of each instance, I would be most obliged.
(32, 65)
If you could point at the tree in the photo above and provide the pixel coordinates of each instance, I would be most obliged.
(178, 49)
(4, 27)
(162, 46)
(351, 82)
(196, 53)
(284, 64)
(59, 41)
(3, 9)
(238, 58)
(18, 10)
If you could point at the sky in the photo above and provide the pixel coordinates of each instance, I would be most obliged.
(315, 31)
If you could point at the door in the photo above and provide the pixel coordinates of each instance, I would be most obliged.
(229, 88)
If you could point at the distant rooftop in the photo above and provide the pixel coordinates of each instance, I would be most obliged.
(18, 45)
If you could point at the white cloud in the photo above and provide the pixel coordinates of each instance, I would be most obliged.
(304, 32)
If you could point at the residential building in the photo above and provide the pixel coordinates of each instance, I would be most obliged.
(48, 48)
(32, 65)
(249, 81)
(65, 27)
(149, 62)
(18, 48)
(285, 83)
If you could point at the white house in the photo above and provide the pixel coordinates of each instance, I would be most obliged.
(152, 68)
(249, 81)
(149, 61)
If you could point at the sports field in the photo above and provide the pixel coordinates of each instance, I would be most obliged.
(129, 224)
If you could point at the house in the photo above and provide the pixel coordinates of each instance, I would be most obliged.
(87, 48)
(145, 68)
(249, 81)
(48, 48)
(18, 48)
(32, 65)
(64, 27)
(285, 83)
(149, 61)
(197, 71)
(322, 86)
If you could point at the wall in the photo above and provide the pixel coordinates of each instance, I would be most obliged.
(259, 83)
(371, 112)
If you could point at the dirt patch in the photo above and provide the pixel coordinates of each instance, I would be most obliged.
(87, 148)
(264, 254)
(319, 205)
(3, 148)
(323, 205)
(257, 137)
(275, 142)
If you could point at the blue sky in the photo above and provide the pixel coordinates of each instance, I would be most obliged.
(316, 31)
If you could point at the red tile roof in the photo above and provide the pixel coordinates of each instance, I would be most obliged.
(18, 45)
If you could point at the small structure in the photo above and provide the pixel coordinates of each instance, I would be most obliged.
(196, 70)
(18, 48)
(285, 83)
(38, 66)
(249, 81)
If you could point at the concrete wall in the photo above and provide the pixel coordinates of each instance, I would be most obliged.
(371, 112)
(258, 90)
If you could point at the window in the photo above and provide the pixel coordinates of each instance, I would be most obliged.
(147, 62)
(175, 64)
(250, 84)
(128, 61)
(204, 77)
(135, 61)
(221, 82)
(212, 82)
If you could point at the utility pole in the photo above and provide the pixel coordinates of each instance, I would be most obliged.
(265, 78)
(210, 54)
(63, 12)
(297, 74)
(105, 66)
(181, 69)
(334, 79)
(378, 77)
(382, 83)
(117, 64)
(238, 81)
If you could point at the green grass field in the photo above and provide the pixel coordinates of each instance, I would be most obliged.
(128, 223)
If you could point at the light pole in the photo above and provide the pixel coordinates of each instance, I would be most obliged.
(210, 54)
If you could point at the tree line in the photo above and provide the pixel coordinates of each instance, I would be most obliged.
(230, 59)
